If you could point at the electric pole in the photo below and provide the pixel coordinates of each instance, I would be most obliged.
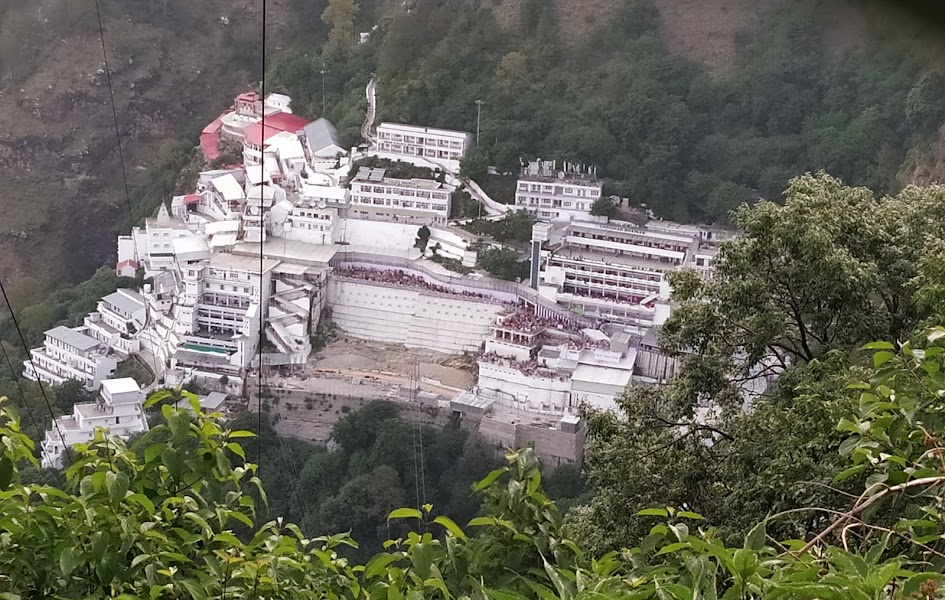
(478, 118)
(323, 90)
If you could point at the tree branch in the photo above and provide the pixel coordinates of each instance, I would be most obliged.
(863, 503)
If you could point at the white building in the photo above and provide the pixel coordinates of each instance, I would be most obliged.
(553, 192)
(551, 365)
(616, 271)
(118, 411)
(219, 311)
(70, 354)
(416, 201)
(441, 147)
(117, 321)
(323, 144)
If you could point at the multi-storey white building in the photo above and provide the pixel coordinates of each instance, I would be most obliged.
(313, 218)
(117, 321)
(416, 201)
(441, 147)
(616, 271)
(117, 411)
(219, 311)
(70, 354)
(552, 365)
(553, 192)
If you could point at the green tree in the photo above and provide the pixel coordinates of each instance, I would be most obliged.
(159, 524)
(340, 16)
(423, 238)
(830, 269)
(605, 207)
(69, 393)
(503, 263)
(923, 110)
(475, 164)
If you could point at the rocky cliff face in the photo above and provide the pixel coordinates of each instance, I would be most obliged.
(62, 201)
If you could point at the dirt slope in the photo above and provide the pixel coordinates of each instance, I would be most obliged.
(62, 201)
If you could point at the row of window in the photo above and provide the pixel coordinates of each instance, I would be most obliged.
(548, 202)
(400, 203)
(311, 215)
(636, 273)
(646, 242)
(675, 262)
(239, 289)
(395, 191)
(559, 190)
(409, 139)
(313, 226)
(419, 151)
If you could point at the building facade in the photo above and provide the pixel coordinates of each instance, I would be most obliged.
(116, 322)
(416, 201)
(70, 354)
(553, 192)
(617, 271)
(441, 147)
(118, 411)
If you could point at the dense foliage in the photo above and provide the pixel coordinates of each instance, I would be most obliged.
(503, 263)
(762, 347)
(162, 521)
(375, 469)
(662, 130)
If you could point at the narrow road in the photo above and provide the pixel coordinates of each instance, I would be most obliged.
(490, 207)
(367, 130)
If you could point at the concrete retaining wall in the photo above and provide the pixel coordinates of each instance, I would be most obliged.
(410, 317)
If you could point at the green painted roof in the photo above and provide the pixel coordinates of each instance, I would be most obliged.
(199, 348)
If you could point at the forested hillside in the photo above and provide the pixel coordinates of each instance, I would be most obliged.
(690, 108)
(173, 65)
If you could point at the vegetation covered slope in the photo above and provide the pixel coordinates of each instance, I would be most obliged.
(173, 65)
(757, 93)
(179, 514)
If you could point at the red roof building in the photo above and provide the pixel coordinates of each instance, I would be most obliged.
(210, 144)
(254, 133)
(286, 122)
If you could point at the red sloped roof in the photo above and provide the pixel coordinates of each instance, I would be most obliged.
(248, 97)
(253, 133)
(128, 263)
(215, 125)
(210, 144)
(286, 122)
(192, 198)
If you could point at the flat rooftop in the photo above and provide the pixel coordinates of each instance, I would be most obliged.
(242, 261)
(120, 386)
(276, 250)
(71, 337)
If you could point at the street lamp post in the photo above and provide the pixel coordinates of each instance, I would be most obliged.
(478, 118)
(323, 90)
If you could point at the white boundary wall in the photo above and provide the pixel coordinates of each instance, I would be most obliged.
(414, 318)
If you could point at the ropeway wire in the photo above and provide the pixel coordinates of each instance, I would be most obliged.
(16, 380)
(262, 233)
(124, 172)
(42, 388)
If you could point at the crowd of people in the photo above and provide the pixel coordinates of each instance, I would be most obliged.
(632, 299)
(402, 278)
(528, 322)
(585, 343)
(530, 368)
